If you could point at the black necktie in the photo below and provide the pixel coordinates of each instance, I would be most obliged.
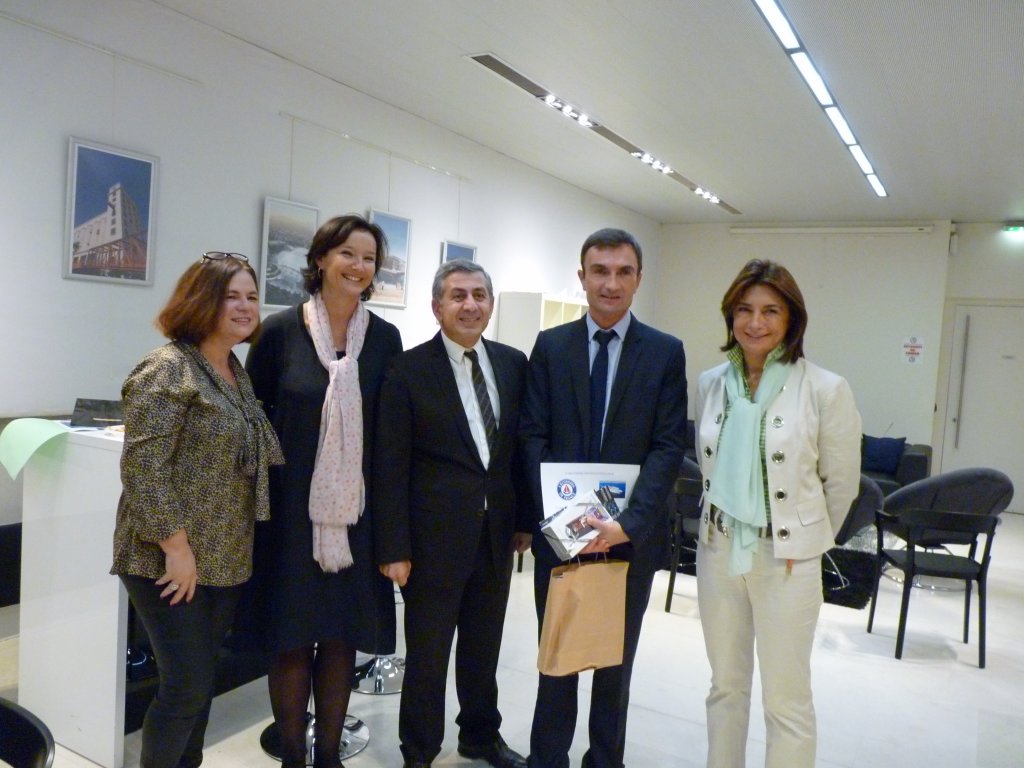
(598, 391)
(484, 399)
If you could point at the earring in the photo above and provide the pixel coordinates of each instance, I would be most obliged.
(320, 273)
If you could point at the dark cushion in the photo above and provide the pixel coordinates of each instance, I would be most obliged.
(881, 454)
(10, 564)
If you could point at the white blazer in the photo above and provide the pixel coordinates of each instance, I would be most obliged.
(812, 453)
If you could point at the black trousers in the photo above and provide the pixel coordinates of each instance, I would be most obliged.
(554, 718)
(439, 602)
(186, 639)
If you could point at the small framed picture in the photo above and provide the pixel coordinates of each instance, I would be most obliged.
(288, 229)
(389, 286)
(111, 209)
(451, 251)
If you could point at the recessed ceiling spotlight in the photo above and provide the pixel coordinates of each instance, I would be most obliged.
(707, 194)
(648, 159)
(503, 70)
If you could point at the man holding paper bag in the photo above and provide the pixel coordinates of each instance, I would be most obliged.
(605, 388)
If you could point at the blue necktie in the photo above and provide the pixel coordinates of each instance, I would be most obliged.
(598, 392)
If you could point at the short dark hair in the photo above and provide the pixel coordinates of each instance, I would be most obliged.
(333, 233)
(453, 266)
(612, 238)
(777, 277)
(192, 311)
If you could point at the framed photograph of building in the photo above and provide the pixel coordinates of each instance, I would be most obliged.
(451, 251)
(111, 210)
(288, 229)
(389, 287)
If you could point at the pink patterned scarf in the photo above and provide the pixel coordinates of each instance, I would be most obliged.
(336, 494)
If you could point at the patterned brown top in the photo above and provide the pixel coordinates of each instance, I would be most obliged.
(195, 456)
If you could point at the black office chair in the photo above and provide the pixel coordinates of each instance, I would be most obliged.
(25, 741)
(861, 515)
(918, 528)
(684, 506)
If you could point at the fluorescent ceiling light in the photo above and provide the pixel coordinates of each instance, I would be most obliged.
(779, 23)
(812, 78)
(842, 127)
(776, 19)
(861, 158)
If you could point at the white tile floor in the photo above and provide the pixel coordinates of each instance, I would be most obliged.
(933, 709)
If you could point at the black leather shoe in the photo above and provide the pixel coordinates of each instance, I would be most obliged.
(497, 753)
(415, 764)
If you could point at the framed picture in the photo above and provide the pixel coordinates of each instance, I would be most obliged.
(288, 229)
(389, 287)
(111, 209)
(451, 251)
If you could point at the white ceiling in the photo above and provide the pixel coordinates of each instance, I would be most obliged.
(933, 89)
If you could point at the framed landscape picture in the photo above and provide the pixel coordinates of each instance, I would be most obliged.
(451, 251)
(389, 286)
(111, 208)
(288, 229)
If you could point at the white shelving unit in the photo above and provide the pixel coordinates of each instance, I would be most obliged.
(522, 315)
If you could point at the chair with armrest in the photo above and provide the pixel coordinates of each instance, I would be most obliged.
(918, 526)
(684, 506)
(861, 515)
(25, 741)
(977, 490)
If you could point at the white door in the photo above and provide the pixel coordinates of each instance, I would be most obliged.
(985, 407)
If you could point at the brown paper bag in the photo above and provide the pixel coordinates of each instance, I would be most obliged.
(584, 618)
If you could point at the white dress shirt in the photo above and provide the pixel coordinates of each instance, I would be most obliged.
(463, 369)
(614, 351)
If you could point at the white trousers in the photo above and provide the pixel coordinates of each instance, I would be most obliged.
(777, 611)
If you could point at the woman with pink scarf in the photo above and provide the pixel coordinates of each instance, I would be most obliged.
(317, 368)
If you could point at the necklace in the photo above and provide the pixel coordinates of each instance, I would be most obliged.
(753, 379)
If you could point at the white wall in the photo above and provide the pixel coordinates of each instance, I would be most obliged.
(865, 294)
(986, 266)
(986, 263)
(217, 114)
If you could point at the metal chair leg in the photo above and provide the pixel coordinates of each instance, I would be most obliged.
(355, 736)
(380, 675)
(843, 581)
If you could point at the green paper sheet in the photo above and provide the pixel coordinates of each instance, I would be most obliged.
(22, 438)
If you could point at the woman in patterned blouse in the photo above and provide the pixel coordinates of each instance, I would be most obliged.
(194, 474)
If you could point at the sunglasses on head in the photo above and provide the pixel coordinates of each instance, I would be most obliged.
(221, 255)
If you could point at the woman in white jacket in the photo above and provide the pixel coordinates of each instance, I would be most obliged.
(779, 447)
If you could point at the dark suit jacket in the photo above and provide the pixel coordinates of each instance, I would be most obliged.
(429, 483)
(645, 424)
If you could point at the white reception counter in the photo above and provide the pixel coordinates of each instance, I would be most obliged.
(74, 614)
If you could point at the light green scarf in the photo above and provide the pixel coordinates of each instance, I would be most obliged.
(737, 481)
